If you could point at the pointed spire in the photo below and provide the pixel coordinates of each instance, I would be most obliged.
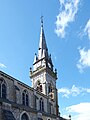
(42, 43)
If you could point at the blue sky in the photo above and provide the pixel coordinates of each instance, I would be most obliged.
(67, 32)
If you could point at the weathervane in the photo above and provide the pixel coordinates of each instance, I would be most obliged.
(42, 21)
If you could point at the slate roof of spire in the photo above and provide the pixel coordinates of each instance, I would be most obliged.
(43, 50)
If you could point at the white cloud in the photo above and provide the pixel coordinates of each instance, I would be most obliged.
(2, 65)
(74, 91)
(80, 111)
(64, 91)
(84, 60)
(87, 29)
(68, 10)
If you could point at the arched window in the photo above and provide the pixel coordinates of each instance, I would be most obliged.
(25, 98)
(41, 102)
(24, 117)
(0, 90)
(39, 86)
(3, 89)
(49, 88)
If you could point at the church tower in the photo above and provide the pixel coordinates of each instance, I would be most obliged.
(42, 75)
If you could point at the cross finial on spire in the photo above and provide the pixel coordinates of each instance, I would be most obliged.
(41, 21)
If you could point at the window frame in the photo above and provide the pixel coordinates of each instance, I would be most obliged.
(25, 98)
(27, 118)
(41, 104)
(3, 89)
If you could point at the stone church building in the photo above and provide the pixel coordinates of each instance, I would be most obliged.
(19, 101)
